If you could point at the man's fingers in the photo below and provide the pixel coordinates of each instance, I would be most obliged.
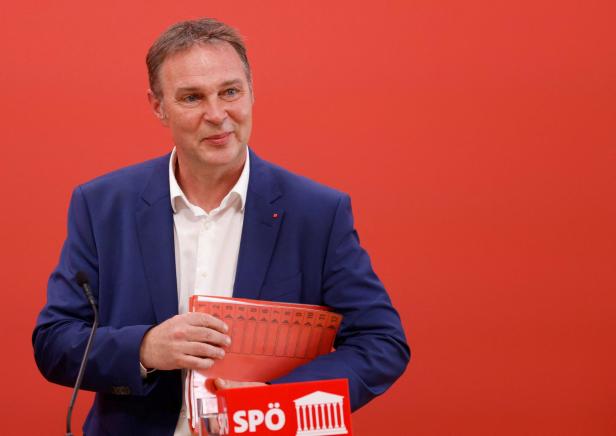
(220, 383)
(197, 363)
(207, 335)
(191, 340)
(229, 384)
(206, 320)
(199, 349)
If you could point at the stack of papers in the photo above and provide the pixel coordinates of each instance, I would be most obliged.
(268, 340)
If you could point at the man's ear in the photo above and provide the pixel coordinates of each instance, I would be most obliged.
(157, 107)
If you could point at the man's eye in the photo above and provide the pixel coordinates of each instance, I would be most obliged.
(191, 98)
(230, 93)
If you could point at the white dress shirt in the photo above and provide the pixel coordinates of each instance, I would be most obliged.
(206, 248)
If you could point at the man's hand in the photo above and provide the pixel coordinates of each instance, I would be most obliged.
(192, 341)
(228, 384)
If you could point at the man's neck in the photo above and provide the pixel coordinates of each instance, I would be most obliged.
(206, 187)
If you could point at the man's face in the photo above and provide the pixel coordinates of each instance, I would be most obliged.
(207, 103)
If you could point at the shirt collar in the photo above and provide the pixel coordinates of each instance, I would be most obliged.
(239, 190)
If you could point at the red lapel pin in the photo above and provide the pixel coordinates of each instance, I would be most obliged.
(275, 215)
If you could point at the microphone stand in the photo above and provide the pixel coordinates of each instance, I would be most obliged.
(83, 282)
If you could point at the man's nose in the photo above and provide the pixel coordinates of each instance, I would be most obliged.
(214, 112)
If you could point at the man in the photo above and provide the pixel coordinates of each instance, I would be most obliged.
(211, 217)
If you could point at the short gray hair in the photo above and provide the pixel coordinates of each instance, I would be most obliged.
(185, 34)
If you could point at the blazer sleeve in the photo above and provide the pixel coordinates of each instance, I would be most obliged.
(63, 326)
(370, 349)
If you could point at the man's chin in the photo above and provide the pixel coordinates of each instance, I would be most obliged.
(224, 157)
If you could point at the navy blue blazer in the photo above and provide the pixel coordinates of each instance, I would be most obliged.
(120, 232)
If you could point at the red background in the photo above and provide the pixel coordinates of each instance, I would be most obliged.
(477, 141)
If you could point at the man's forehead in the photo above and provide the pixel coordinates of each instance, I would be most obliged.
(188, 86)
(216, 62)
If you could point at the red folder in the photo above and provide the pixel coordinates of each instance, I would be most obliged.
(268, 340)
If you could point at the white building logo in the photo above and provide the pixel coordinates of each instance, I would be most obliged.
(320, 413)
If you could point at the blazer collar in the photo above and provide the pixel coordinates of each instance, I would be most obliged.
(155, 233)
(262, 220)
(262, 182)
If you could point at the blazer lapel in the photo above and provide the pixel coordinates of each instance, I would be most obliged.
(155, 233)
(262, 220)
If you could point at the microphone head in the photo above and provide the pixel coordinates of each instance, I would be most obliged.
(82, 278)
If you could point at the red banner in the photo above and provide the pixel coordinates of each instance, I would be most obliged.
(298, 409)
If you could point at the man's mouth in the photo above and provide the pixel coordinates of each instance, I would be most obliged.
(219, 139)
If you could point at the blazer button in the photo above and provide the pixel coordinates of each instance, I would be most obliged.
(120, 390)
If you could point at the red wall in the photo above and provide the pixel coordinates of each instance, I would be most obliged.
(477, 140)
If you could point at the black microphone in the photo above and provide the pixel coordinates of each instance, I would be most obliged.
(82, 280)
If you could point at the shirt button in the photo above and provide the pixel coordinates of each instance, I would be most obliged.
(204, 274)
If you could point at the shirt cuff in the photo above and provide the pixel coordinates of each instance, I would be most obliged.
(144, 372)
